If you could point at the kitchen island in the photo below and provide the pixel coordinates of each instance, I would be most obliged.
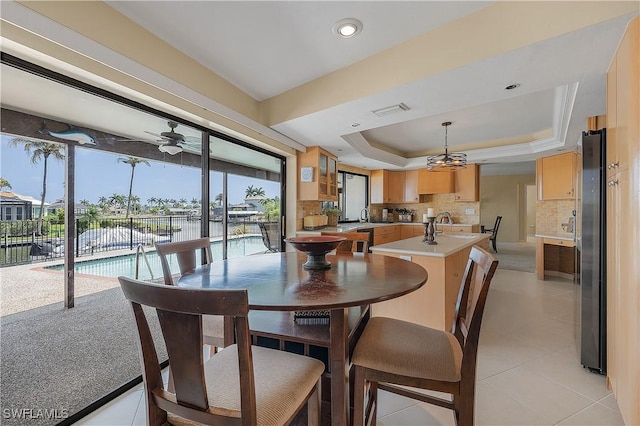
(432, 305)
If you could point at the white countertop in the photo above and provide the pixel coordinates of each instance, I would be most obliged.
(565, 236)
(447, 245)
(350, 227)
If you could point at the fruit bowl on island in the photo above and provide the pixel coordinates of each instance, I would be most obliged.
(316, 247)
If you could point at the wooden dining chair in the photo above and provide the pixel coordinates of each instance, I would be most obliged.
(392, 352)
(185, 253)
(240, 385)
(494, 232)
(356, 242)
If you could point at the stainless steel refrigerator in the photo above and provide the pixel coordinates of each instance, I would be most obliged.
(593, 253)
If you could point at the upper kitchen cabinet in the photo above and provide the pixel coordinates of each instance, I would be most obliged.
(557, 177)
(387, 186)
(435, 182)
(317, 175)
(467, 183)
(411, 179)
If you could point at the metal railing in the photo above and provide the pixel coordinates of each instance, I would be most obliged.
(140, 249)
(20, 243)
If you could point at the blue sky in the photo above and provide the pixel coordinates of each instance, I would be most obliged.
(100, 174)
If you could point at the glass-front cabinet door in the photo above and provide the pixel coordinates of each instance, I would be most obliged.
(333, 178)
(323, 180)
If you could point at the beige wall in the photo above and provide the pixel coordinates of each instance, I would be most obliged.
(505, 195)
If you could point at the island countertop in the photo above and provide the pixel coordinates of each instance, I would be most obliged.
(447, 245)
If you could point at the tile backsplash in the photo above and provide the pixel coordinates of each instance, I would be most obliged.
(460, 210)
(551, 214)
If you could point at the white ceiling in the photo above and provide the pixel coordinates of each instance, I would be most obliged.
(266, 48)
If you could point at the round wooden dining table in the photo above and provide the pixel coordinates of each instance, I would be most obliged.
(277, 282)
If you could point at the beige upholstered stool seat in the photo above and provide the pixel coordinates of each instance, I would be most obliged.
(282, 381)
(409, 349)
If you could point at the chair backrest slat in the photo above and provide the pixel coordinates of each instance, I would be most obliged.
(496, 226)
(185, 252)
(472, 296)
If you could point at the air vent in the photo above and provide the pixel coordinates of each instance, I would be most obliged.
(393, 109)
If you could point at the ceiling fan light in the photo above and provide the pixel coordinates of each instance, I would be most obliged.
(170, 149)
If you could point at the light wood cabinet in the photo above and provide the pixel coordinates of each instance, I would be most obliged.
(411, 178)
(432, 305)
(612, 152)
(324, 181)
(410, 231)
(387, 186)
(623, 226)
(386, 234)
(454, 229)
(467, 183)
(435, 182)
(557, 176)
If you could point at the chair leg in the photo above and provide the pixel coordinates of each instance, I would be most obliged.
(373, 401)
(314, 407)
(463, 406)
(358, 396)
(493, 243)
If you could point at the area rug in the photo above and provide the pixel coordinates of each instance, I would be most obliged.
(516, 256)
(54, 362)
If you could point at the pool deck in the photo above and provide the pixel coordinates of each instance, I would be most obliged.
(30, 286)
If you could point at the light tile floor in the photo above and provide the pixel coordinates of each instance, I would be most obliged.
(529, 371)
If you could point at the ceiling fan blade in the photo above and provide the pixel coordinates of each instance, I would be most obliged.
(157, 135)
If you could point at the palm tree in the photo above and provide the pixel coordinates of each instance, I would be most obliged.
(133, 162)
(183, 202)
(4, 183)
(117, 200)
(85, 202)
(152, 201)
(219, 199)
(41, 150)
(251, 192)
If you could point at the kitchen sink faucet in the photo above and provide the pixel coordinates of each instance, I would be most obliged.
(439, 215)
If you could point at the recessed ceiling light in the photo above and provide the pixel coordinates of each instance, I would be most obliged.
(512, 86)
(347, 28)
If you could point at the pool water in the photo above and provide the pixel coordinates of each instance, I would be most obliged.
(126, 264)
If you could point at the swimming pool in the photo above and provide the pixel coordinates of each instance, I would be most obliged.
(126, 264)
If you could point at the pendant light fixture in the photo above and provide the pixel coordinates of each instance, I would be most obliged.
(447, 161)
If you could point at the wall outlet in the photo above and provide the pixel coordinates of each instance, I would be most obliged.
(470, 211)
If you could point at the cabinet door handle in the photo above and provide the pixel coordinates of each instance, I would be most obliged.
(613, 165)
(613, 183)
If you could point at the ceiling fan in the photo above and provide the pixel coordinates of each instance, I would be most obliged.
(174, 141)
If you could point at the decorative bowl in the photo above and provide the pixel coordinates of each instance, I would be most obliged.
(316, 247)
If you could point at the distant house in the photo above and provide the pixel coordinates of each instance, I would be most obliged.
(256, 202)
(60, 204)
(19, 207)
(238, 212)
